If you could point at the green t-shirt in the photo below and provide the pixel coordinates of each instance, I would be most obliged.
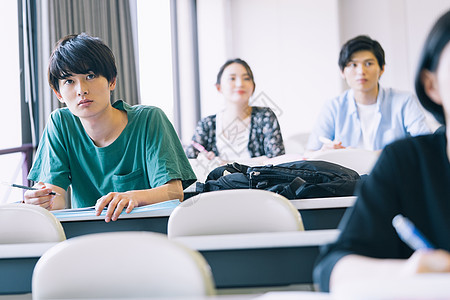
(147, 154)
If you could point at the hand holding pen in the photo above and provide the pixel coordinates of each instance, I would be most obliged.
(40, 195)
(328, 144)
(425, 258)
(409, 234)
(209, 154)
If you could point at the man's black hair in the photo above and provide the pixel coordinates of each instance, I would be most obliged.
(359, 43)
(80, 54)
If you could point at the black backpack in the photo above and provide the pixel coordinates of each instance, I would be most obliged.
(293, 180)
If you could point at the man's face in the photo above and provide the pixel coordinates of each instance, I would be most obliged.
(362, 72)
(86, 95)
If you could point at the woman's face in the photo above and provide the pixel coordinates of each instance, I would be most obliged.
(443, 80)
(437, 84)
(236, 85)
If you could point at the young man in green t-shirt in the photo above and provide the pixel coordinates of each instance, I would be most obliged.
(113, 155)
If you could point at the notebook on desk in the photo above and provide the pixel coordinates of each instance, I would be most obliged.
(64, 214)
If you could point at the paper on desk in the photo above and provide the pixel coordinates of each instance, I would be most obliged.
(294, 295)
(90, 211)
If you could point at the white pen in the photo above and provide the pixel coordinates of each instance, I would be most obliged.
(410, 234)
(325, 140)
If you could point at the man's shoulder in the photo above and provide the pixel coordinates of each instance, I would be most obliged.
(143, 110)
(58, 115)
(343, 99)
(397, 95)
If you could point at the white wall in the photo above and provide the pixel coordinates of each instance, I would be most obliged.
(293, 47)
(399, 25)
(279, 40)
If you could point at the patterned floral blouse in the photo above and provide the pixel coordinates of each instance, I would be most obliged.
(265, 134)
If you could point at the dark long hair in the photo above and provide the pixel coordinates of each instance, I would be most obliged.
(436, 41)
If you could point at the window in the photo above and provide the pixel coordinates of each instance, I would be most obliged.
(155, 55)
(10, 114)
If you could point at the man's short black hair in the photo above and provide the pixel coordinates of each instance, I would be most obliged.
(80, 54)
(359, 43)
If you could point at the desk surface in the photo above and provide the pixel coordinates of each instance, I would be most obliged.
(324, 203)
(261, 259)
(17, 263)
(238, 260)
(317, 213)
(147, 218)
(323, 213)
(260, 240)
(288, 295)
(162, 209)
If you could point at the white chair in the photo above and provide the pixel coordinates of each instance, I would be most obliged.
(233, 211)
(26, 223)
(360, 160)
(121, 265)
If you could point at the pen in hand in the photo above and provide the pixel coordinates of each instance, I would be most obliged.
(24, 187)
(198, 146)
(410, 234)
(325, 140)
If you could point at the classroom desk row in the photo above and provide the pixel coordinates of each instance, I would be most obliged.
(267, 259)
(317, 213)
(237, 260)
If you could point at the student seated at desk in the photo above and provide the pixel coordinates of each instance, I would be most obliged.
(239, 131)
(411, 178)
(367, 115)
(113, 155)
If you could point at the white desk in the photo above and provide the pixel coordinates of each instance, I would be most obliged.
(17, 263)
(317, 213)
(300, 295)
(435, 286)
(323, 213)
(261, 259)
(259, 240)
(238, 260)
(141, 219)
(324, 203)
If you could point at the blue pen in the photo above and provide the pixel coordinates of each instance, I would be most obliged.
(410, 234)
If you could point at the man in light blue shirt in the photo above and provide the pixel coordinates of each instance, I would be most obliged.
(367, 115)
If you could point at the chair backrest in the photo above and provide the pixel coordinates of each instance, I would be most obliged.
(121, 265)
(26, 223)
(233, 211)
(360, 160)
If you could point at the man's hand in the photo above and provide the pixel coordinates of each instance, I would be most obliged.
(116, 202)
(43, 197)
